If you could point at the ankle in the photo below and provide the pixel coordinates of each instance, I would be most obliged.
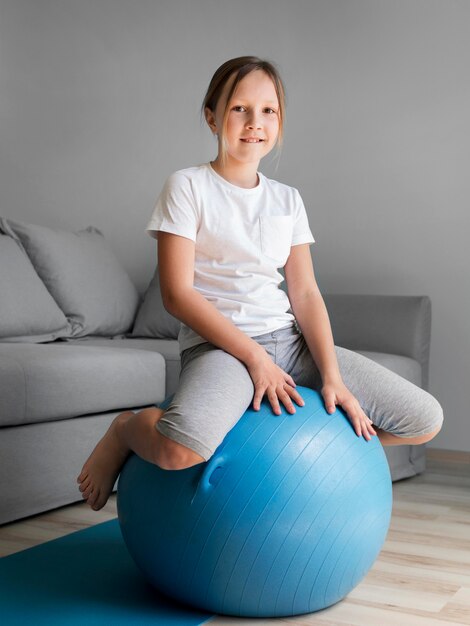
(119, 426)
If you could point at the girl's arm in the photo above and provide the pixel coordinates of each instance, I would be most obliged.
(176, 267)
(312, 317)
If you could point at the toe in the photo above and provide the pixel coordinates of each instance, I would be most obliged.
(93, 501)
(87, 493)
(99, 505)
(85, 484)
(82, 476)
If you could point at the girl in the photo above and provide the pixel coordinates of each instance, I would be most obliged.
(224, 230)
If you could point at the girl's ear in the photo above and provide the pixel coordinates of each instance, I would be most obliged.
(210, 119)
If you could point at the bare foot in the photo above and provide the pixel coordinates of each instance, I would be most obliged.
(100, 471)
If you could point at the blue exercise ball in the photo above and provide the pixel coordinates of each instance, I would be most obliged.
(286, 518)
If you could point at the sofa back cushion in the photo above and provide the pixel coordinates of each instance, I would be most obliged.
(83, 276)
(153, 320)
(27, 310)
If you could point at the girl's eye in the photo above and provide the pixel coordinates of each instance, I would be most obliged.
(241, 109)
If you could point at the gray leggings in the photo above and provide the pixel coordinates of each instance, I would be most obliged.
(215, 389)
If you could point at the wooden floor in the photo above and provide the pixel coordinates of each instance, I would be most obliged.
(422, 575)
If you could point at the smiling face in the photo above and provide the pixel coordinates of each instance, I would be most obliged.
(248, 125)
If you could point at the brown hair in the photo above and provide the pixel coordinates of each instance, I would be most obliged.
(240, 67)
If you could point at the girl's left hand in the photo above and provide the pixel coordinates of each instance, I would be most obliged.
(338, 394)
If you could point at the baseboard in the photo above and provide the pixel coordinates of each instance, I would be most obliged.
(449, 456)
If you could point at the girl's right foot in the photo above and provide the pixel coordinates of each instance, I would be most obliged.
(102, 468)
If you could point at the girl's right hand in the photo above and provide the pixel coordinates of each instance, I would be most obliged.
(270, 380)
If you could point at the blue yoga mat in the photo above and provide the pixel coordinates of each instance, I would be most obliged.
(85, 579)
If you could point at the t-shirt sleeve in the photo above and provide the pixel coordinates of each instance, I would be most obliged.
(301, 230)
(175, 211)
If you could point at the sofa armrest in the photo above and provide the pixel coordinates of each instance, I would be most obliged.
(393, 324)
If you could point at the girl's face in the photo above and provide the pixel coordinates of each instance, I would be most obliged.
(253, 119)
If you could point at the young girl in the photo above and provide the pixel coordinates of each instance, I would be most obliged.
(224, 230)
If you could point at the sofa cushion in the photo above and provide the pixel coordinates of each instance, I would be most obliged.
(152, 319)
(402, 365)
(83, 276)
(168, 348)
(46, 382)
(27, 310)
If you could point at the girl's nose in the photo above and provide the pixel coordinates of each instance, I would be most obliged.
(253, 122)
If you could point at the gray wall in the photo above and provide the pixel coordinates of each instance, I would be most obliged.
(99, 102)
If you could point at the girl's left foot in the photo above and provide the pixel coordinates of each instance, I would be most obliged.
(102, 468)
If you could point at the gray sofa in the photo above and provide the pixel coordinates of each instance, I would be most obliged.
(78, 345)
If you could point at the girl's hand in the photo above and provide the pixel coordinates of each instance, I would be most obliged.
(270, 380)
(338, 394)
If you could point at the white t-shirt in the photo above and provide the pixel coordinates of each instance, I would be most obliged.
(242, 237)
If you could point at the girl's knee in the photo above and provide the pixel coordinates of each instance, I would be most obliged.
(429, 436)
(171, 455)
(435, 417)
(415, 419)
(430, 418)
